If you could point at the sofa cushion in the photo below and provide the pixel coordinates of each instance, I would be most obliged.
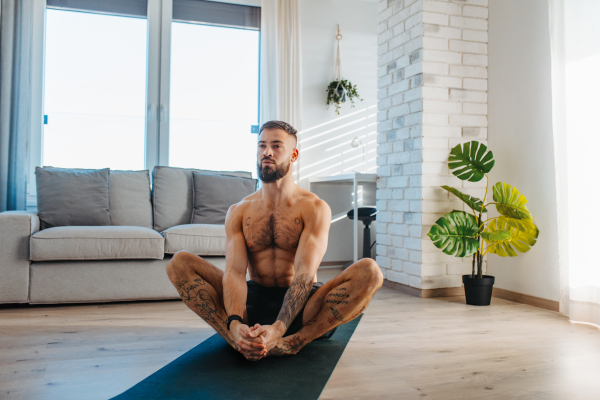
(214, 194)
(130, 203)
(172, 194)
(200, 239)
(96, 243)
(67, 197)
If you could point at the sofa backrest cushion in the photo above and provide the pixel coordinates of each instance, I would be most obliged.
(214, 194)
(130, 203)
(72, 197)
(172, 190)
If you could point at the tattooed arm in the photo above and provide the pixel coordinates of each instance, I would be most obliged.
(311, 249)
(310, 252)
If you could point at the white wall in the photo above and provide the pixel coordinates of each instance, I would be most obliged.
(318, 23)
(324, 139)
(520, 135)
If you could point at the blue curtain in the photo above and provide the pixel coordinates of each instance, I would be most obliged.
(15, 101)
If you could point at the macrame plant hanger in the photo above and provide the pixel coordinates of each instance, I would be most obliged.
(338, 66)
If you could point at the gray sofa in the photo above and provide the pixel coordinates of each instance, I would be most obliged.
(124, 261)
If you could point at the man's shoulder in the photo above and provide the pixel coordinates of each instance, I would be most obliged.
(238, 209)
(306, 198)
(311, 204)
(243, 204)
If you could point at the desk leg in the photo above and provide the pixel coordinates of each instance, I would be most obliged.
(355, 219)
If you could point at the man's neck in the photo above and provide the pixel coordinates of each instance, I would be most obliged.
(281, 189)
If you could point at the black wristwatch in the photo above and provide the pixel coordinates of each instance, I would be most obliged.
(232, 318)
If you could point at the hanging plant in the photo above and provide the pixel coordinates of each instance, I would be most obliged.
(340, 89)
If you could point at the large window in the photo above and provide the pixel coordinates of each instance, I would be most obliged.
(131, 84)
(95, 90)
(214, 97)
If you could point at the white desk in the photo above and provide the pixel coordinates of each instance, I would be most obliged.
(356, 179)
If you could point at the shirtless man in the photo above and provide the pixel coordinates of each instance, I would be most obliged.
(279, 235)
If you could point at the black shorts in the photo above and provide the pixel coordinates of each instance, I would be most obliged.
(264, 303)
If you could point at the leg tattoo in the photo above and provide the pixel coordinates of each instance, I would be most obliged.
(203, 303)
(342, 304)
(287, 346)
(181, 287)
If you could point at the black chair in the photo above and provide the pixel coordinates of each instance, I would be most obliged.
(366, 215)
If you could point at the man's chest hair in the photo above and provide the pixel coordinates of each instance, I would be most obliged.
(268, 228)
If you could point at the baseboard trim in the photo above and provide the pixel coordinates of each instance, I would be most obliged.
(333, 263)
(402, 288)
(525, 299)
(443, 292)
(424, 293)
(459, 291)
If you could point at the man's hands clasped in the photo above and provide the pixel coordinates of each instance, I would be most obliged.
(251, 347)
(255, 342)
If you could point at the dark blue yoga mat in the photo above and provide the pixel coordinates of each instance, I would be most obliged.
(213, 370)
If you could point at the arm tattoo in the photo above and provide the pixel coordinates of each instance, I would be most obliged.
(295, 298)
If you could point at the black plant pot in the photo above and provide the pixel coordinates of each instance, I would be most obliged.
(478, 292)
(341, 94)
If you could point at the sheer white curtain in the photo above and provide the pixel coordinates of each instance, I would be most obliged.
(280, 68)
(280, 75)
(575, 41)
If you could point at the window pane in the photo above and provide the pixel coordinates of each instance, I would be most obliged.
(214, 97)
(95, 87)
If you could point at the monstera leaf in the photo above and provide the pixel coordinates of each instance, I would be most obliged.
(470, 161)
(510, 202)
(495, 236)
(456, 234)
(503, 236)
(520, 224)
(471, 201)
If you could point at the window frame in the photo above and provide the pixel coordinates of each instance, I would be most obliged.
(158, 79)
(38, 50)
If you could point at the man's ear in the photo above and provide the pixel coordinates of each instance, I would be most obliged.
(294, 155)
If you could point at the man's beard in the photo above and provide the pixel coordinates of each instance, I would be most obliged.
(268, 175)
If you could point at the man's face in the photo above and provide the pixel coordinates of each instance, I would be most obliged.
(276, 152)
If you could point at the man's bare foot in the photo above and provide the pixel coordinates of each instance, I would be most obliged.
(287, 346)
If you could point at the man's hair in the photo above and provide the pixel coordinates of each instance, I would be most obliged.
(279, 125)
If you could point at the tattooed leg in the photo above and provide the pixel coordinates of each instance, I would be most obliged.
(338, 301)
(200, 286)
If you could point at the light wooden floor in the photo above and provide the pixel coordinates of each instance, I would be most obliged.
(404, 348)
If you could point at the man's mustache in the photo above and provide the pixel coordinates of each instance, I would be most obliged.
(268, 159)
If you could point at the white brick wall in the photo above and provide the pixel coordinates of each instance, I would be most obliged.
(432, 96)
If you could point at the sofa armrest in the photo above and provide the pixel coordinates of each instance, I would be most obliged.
(16, 227)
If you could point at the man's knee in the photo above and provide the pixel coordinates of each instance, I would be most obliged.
(178, 266)
(370, 273)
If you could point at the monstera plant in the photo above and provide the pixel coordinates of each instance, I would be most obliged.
(465, 234)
